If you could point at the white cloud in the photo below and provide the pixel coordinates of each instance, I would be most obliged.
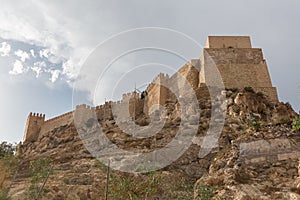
(22, 55)
(69, 69)
(18, 68)
(5, 49)
(32, 53)
(40, 64)
(66, 37)
(37, 70)
(38, 67)
(54, 75)
(44, 53)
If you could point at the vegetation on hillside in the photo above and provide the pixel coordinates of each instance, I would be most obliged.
(148, 185)
(296, 124)
(8, 165)
(6, 149)
(40, 169)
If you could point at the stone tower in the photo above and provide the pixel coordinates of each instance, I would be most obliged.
(239, 64)
(157, 92)
(33, 127)
(190, 72)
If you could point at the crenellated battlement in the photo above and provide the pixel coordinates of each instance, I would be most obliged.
(157, 91)
(162, 77)
(84, 106)
(37, 115)
(238, 63)
(107, 104)
(33, 126)
(160, 80)
(59, 117)
(130, 95)
(37, 126)
(116, 102)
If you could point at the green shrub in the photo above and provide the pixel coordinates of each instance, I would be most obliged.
(4, 195)
(8, 166)
(181, 190)
(296, 124)
(6, 149)
(205, 192)
(126, 186)
(255, 124)
(39, 171)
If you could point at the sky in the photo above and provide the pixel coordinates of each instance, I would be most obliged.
(45, 44)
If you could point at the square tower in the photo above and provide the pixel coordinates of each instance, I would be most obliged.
(228, 42)
(33, 127)
(238, 63)
(158, 92)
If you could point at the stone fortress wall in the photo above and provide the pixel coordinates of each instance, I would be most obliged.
(37, 126)
(239, 65)
(56, 122)
(157, 92)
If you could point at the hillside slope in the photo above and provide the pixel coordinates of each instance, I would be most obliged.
(256, 158)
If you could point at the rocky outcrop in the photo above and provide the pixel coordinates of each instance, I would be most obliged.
(261, 159)
(256, 157)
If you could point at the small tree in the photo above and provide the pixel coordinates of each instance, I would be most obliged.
(8, 166)
(6, 149)
(39, 171)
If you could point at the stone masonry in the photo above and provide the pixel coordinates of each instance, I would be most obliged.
(238, 63)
